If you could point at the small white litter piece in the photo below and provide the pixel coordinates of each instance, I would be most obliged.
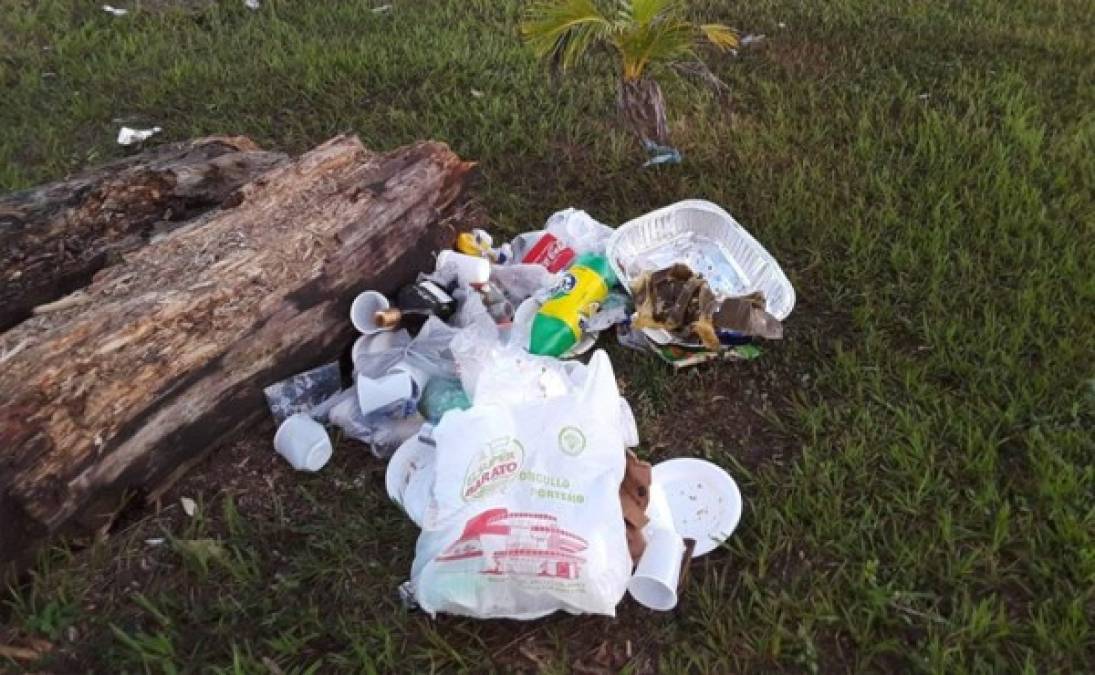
(128, 136)
(252, 4)
(381, 9)
(751, 38)
(189, 506)
(116, 11)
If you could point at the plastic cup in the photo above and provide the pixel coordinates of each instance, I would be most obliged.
(304, 442)
(418, 376)
(376, 393)
(364, 309)
(374, 343)
(654, 583)
(467, 270)
(362, 346)
(409, 478)
(658, 511)
(403, 382)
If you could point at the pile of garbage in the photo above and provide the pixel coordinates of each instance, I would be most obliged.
(512, 455)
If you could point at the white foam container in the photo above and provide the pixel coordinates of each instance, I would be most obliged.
(707, 239)
(303, 442)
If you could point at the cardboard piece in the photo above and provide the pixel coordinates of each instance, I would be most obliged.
(634, 498)
(676, 305)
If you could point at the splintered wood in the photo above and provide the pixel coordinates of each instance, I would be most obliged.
(164, 355)
(53, 238)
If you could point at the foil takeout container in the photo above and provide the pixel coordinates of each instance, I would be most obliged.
(705, 237)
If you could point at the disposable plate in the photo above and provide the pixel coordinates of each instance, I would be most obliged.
(704, 500)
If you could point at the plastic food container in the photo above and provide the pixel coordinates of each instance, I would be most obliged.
(703, 236)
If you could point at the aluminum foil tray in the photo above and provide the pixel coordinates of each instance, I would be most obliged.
(706, 238)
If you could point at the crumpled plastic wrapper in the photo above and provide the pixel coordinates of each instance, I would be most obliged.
(616, 308)
(382, 431)
(519, 282)
(579, 231)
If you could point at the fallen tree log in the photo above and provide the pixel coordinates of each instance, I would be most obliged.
(55, 237)
(167, 354)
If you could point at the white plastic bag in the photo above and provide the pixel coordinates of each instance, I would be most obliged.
(579, 230)
(504, 373)
(520, 282)
(429, 350)
(524, 516)
(383, 431)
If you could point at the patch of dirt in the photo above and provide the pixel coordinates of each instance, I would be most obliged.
(734, 406)
(594, 644)
(245, 469)
(628, 646)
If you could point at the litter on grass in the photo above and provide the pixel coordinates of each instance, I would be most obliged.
(128, 136)
(660, 154)
(189, 506)
(513, 456)
(116, 11)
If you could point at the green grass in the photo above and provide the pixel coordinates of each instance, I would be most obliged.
(923, 171)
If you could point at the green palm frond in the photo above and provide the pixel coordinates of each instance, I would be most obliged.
(722, 36)
(562, 32)
(649, 11)
(644, 33)
(653, 44)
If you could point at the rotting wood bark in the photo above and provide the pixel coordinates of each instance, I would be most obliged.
(55, 237)
(167, 355)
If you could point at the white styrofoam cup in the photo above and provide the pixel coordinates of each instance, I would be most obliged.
(654, 583)
(304, 442)
(374, 343)
(363, 312)
(467, 270)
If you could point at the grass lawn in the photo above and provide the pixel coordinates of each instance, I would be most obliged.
(916, 457)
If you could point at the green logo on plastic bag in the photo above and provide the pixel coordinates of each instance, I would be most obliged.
(572, 441)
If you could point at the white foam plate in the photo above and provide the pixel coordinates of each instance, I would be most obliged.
(704, 500)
